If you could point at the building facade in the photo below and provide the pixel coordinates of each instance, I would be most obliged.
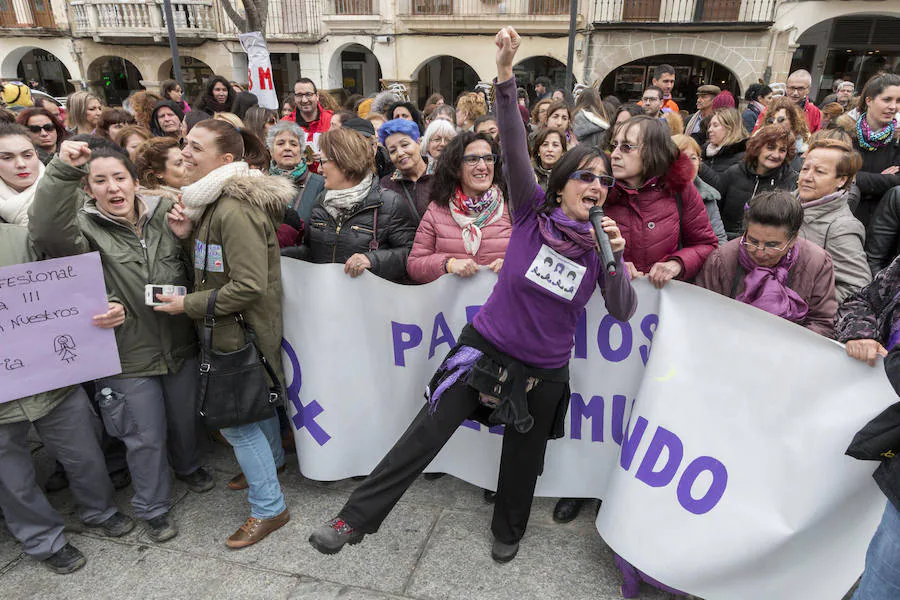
(446, 46)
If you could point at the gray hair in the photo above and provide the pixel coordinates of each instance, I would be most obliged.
(802, 74)
(383, 100)
(281, 127)
(438, 126)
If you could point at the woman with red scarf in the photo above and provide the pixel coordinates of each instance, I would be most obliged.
(466, 226)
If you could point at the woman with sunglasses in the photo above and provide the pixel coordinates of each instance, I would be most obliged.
(523, 334)
(656, 205)
(772, 268)
(46, 131)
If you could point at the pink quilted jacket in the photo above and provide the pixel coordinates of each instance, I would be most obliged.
(439, 238)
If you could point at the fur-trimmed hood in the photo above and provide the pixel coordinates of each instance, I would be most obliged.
(680, 174)
(268, 192)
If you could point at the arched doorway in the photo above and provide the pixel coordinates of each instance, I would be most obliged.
(115, 78)
(628, 81)
(444, 75)
(50, 73)
(530, 69)
(194, 75)
(851, 48)
(360, 72)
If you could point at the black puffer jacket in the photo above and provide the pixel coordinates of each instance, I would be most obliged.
(872, 184)
(740, 183)
(327, 241)
(726, 157)
(883, 234)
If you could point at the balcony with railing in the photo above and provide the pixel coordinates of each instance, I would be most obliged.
(129, 20)
(287, 20)
(551, 16)
(683, 14)
(35, 15)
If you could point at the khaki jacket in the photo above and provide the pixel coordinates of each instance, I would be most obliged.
(236, 238)
(16, 248)
(150, 343)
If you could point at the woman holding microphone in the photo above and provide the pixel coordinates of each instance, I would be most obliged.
(509, 336)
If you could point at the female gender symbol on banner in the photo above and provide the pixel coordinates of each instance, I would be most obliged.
(306, 415)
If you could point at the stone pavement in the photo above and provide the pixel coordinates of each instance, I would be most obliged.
(435, 546)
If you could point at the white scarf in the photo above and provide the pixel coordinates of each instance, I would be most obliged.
(200, 194)
(340, 203)
(14, 205)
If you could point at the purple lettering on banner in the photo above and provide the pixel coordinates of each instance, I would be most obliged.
(497, 429)
(648, 328)
(472, 424)
(603, 343)
(581, 335)
(618, 417)
(413, 337)
(306, 415)
(716, 488)
(471, 311)
(663, 438)
(631, 441)
(445, 337)
(593, 410)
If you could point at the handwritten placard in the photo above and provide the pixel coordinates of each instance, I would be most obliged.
(47, 338)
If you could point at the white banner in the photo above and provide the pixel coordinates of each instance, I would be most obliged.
(259, 69)
(726, 479)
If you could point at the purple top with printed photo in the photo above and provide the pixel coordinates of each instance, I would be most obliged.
(533, 310)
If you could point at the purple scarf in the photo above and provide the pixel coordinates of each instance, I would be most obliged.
(766, 289)
(567, 236)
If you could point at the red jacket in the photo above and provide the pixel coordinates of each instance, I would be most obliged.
(648, 219)
(320, 125)
(813, 117)
(439, 238)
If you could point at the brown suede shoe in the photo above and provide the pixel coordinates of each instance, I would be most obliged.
(256, 529)
(239, 481)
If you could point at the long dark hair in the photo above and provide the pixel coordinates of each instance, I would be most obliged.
(658, 151)
(576, 158)
(874, 86)
(416, 115)
(206, 101)
(450, 164)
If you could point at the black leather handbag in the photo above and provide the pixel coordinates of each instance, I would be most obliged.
(233, 386)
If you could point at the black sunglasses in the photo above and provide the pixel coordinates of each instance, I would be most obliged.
(48, 127)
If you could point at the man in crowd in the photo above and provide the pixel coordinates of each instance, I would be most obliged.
(652, 101)
(541, 88)
(705, 96)
(797, 90)
(310, 115)
(664, 79)
(841, 92)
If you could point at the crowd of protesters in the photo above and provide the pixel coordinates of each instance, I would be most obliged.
(776, 203)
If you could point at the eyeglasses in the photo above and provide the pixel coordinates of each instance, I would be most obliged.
(48, 127)
(651, 99)
(306, 96)
(798, 88)
(626, 148)
(766, 247)
(472, 159)
(323, 160)
(606, 181)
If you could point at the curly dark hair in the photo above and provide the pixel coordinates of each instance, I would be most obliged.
(769, 134)
(449, 166)
(413, 111)
(577, 158)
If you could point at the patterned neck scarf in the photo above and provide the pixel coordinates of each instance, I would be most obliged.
(766, 287)
(472, 214)
(296, 175)
(871, 141)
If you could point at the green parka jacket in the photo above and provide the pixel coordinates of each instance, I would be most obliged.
(15, 249)
(150, 343)
(235, 238)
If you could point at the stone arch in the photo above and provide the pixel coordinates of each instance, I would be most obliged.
(114, 78)
(334, 76)
(194, 74)
(10, 63)
(799, 23)
(438, 75)
(695, 46)
(467, 54)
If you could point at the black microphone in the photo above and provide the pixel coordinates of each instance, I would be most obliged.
(609, 261)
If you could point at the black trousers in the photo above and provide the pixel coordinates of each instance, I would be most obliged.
(521, 461)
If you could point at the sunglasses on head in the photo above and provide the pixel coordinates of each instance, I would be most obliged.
(48, 127)
(606, 181)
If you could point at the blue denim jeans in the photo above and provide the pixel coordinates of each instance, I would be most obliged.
(881, 579)
(257, 447)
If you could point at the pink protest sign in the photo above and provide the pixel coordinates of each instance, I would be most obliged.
(47, 339)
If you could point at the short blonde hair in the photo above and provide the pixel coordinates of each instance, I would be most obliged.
(686, 142)
(230, 118)
(849, 164)
(350, 152)
(731, 120)
(675, 122)
(76, 109)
